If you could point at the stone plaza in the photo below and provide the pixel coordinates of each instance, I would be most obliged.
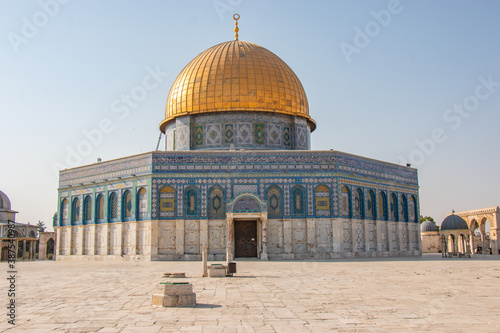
(412, 294)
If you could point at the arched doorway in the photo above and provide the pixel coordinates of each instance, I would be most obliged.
(49, 251)
(246, 227)
(486, 227)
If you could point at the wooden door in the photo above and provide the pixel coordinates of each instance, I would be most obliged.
(245, 239)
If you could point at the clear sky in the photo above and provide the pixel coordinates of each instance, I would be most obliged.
(399, 81)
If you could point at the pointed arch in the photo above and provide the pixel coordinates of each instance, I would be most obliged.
(412, 209)
(359, 203)
(75, 211)
(371, 211)
(346, 208)
(127, 206)
(142, 204)
(298, 200)
(167, 202)
(87, 209)
(403, 209)
(64, 212)
(274, 202)
(217, 203)
(322, 200)
(99, 208)
(191, 202)
(113, 207)
(393, 208)
(382, 207)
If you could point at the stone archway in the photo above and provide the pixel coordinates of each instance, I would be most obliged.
(44, 246)
(247, 210)
(479, 217)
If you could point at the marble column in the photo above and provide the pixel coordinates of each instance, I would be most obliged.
(230, 232)
(263, 255)
(311, 236)
(287, 236)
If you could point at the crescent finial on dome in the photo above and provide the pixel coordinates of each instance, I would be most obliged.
(236, 17)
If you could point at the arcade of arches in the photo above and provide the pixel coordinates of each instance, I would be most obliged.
(482, 240)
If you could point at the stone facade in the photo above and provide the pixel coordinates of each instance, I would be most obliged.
(431, 242)
(303, 204)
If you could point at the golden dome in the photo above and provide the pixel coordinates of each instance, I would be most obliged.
(236, 76)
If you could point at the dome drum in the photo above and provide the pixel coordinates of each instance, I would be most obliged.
(238, 130)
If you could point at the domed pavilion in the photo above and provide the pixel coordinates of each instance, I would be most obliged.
(18, 240)
(455, 240)
(238, 175)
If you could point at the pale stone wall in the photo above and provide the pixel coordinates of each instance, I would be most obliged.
(431, 242)
(217, 231)
(166, 241)
(320, 238)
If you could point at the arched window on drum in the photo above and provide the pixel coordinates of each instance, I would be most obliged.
(322, 200)
(274, 203)
(167, 202)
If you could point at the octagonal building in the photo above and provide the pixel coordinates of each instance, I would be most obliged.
(238, 175)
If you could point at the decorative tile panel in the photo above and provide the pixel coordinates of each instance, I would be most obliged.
(213, 134)
(287, 137)
(243, 133)
(301, 142)
(237, 189)
(260, 134)
(204, 200)
(182, 138)
(274, 134)
(246, 204)
(198, 135)
(228, 133)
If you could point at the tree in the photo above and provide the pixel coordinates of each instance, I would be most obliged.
(41, 226)
(425, 218)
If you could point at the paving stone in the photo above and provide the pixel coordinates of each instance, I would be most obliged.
(425, 294)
